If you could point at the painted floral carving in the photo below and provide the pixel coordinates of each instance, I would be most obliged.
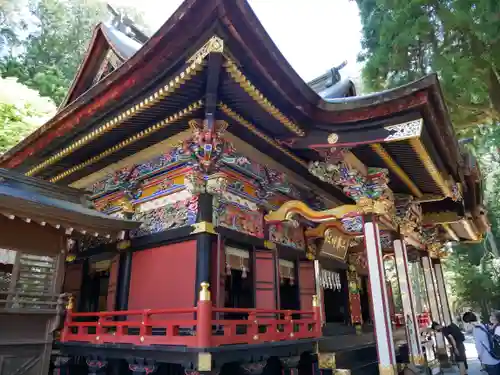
(287, 235)
(175, 215)
(238, 218)
(112, 181)
(355, 185)
(353, 224)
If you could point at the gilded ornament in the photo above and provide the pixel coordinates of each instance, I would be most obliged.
(409, 129)
(204, 292)
(289, 209)
(386, 369)
(204, 362)
(213, 45)
(408, 215)
(126, 206)
(326, 361)
(311, 249)
(269, 245)
(333, 138)
(123, 245)
(71, 303)
(203, 227)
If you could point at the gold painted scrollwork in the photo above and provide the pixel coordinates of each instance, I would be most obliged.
(291, 208)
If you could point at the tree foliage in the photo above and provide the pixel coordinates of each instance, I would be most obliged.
(22, 110)
(474, 271)
(475, 277)
(457, 39)
(50, 49)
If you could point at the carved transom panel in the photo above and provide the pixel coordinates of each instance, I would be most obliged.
(408, 215)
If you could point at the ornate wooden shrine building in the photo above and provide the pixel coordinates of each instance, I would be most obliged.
(266, 210)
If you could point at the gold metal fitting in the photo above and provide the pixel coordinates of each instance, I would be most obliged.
(205, 292)
(315, 301)
(326, 361)
(386, 369)
(141, 339)
(269, 245)
(71, 303)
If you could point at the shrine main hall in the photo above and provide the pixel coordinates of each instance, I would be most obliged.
(195, 207)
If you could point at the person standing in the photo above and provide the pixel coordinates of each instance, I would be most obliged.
(456, 339)
(483, 342)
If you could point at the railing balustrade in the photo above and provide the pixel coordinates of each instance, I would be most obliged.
(200, 326)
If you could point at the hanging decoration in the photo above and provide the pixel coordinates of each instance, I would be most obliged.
(330, 280)
(286, 271)
(237, 259)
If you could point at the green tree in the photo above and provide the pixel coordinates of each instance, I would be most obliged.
(475, 277)
(458, 39)
(22, 110)
(53, 50)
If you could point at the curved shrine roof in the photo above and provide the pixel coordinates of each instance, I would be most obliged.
(182, 69)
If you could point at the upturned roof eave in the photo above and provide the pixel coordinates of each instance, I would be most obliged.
(245, 30)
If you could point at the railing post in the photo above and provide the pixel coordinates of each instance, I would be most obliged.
(204, 317)
(145, 329)
(316, 315)
(68, 318)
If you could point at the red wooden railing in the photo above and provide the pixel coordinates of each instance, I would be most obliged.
(201, 326)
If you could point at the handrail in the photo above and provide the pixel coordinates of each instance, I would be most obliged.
(200, 326)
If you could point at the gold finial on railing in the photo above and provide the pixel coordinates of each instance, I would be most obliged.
(71, 303)
(205, 292)
(315, 301)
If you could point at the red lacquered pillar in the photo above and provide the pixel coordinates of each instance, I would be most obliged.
(204, 317)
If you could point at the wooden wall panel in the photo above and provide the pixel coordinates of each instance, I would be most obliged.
(163, 277)
(307, 284)
(73, 281)
(112, 283)
(218, 273)
(265, 279)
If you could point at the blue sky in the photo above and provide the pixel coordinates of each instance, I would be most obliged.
(313, 35)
